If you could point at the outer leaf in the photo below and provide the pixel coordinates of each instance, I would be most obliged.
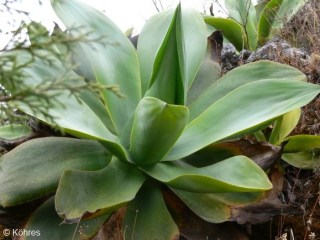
(191, 47)
(84, 116)
(284, 125)
(305, 160)
(78, 119)
(170, 55)
(108, 189)
(151, 43)
(149, 204)
(247, 106)
(242, 75)
(112, 59)
(156, 127)
(232, 31)
(300, 143)
(244, 13)
(48, 158)
(216, 207)
(99, 109)
(166, 82)
(14, 131)
(262, 153)
(267, 19)
(209, 72)
(46, 221)
(236, 174)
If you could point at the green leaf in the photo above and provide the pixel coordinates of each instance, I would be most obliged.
(97, 192)
(288, 8)
(244, 13)
(166, 83)
(147, 216)
(47, 223)
(170, 55)
(260, 7)
(232, 31)
(47, 158)
(247, 106)
(267, 18)
(284, 125)
(78, 119)
(209, 72)
(236, 174)
(304, 160)
(151, 43)
(262, 153)
(191, 47)
(91, 99)
(300, 143)
(216, 207)
(83, 116)
(156, 127)
(111, 57)
(242, 75)
(14, 131)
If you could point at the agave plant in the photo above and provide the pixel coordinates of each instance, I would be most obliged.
(249, 26)
(126, 150)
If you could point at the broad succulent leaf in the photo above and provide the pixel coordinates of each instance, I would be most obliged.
(14, 131)
(236, 174)
(111, 57)
(98, 192)
(170, 60)
(83, 116)
(216, 207)
(232, 30)
(239, 76)
(247, 106)
(284, 125)
(47, 158)
(191, 46)
(244, 13)
(149, 204)
(302, 151)
(299, 143)
(156, 127)
(209, 72)
(97, 106)
(267, 18)
(304, 159)
(46, 220)
(151, 45)
(262, 153)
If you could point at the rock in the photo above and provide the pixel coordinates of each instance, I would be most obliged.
(279, 50)
(229, 58)
(276, 49)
